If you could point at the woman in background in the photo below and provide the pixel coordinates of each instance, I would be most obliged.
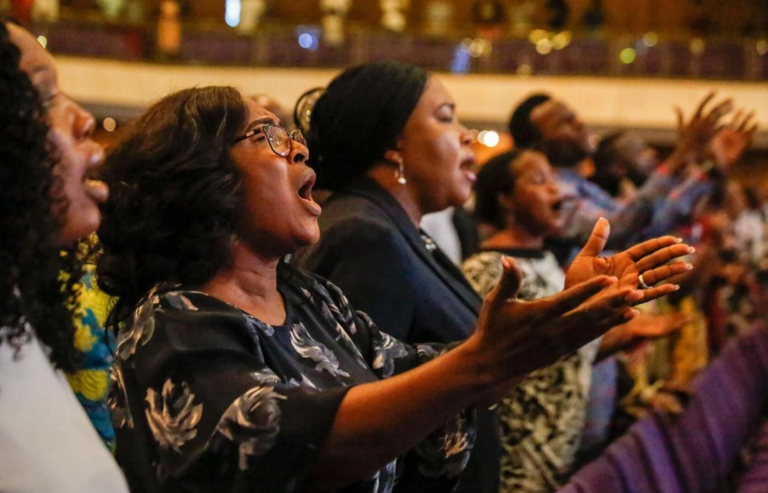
(385, 138)
(543, 417)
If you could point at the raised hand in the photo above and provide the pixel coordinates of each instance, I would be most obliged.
(644, 326)
(733, 139)
(522, 336)
(695, 136)
(650, 258)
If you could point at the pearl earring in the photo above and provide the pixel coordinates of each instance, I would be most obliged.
(400, 173)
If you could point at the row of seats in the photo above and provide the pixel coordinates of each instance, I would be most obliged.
(696, 451)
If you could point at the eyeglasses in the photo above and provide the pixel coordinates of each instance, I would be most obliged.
(280, 140)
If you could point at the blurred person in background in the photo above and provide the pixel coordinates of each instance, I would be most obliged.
(543, 417)
(551, 126)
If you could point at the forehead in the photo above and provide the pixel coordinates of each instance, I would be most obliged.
(34, 58)
(631, 143)
(529, 162)
(257, 111)
(435, 94)
(550, 111)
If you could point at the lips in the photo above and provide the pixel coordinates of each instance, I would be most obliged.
(468, 167)
(305, 192)
(97, 190)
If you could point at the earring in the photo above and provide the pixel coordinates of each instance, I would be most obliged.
(400, 173)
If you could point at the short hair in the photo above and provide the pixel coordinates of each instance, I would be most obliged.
(606, 154)
(524, 132)
(493, 179)
(175, 195)
(359, 117)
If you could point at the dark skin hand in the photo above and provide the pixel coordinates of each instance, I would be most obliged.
(650, 258)
(695, 135)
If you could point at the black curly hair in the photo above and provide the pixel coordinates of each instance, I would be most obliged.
(32, 261)
(174, 196)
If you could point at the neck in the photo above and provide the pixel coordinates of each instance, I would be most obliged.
(384, 175)
(514, 236)
(249, 282)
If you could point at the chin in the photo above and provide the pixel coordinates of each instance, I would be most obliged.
(79, 226)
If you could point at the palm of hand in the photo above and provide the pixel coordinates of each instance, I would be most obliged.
(620, 266)
(728, 146)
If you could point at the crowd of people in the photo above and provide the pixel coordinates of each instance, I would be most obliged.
(224, 331)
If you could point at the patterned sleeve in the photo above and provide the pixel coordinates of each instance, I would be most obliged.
(196, 407)
(483, 271)
(435, 464)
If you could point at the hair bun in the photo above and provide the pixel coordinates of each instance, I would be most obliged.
(302, 112)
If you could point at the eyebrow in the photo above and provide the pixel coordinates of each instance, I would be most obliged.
(260, 121)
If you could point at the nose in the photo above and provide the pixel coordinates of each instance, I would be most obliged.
(83, 124)
(299, 153)
(465, 136)
(554, 188)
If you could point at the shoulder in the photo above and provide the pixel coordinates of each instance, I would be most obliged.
(349, 215)
(185, 320)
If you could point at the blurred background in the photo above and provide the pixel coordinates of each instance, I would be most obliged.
(622, 64)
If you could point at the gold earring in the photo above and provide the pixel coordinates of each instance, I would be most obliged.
(400, 173)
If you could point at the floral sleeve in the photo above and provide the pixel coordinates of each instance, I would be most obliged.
(437, 462)
(197, 408)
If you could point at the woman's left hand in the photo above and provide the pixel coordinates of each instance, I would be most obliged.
(650, 258)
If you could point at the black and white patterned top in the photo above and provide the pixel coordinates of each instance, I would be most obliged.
(207, 398)
(542, 419)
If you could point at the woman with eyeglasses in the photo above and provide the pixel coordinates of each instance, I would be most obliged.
(237, 372)
(384, 137)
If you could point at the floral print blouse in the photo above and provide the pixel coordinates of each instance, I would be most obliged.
(542, 419)
(206, 398)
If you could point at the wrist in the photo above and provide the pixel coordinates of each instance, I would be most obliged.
(481, 365)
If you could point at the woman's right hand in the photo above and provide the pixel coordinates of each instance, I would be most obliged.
(515, 337)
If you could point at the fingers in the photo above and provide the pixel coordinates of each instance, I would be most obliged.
(704, 103)
(720, 111)
(655, 276)
(658, 292)
(661, 257)
(571, 298)
(509, 286)
(680, 118)
(736, 116)
(648, 247)
(597, 239)
(608, 310)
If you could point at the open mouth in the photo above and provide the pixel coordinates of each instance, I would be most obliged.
(305, 190)
(557, 206)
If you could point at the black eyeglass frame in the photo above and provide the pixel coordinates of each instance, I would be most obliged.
(293, 135)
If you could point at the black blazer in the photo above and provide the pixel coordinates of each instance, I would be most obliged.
(376, 255)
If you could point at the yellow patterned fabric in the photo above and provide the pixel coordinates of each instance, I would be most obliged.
(97, 346)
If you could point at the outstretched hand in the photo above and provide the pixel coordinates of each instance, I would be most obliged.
(695, 135)
(650, 258)
(733, 139)
(522, 336)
